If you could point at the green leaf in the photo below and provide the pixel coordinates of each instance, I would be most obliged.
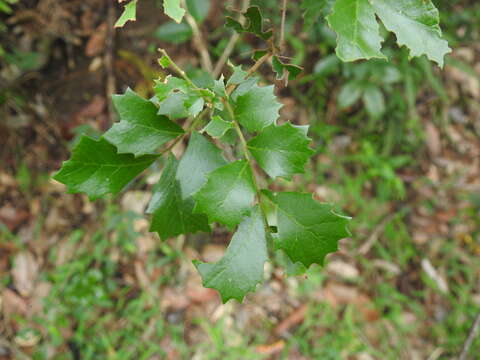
(349, 94)
(173, 9)
(254, 24)
(313, 9)
(255, 108)
(140, 130)
(281, 150)
(228, 194)
(164, 88)
(173, 32)
(174, 106)
(172, 212)
(165, 62)
(238, 76)
(199, 9)
(96, 169)
(374, 101)
(416, 25)
(129, 14)
(283, 69)
(307, 229)
(200, 158)
(217, 127)
(241, 268)
(357, 30)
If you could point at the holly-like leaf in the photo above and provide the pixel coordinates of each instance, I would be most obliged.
(241, 268)
(200, 158)
(96, 168)
(255, 107)
(254, 24)
(307, 229)
(172, 212)
(281, 150)
(173, 9)
(140, 130)
(357, 29)
(129, 14)
(238, 76)
(415, 24)
(282, 69)
(228, 194)
(217, 127)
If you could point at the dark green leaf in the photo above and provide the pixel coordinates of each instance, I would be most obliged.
(217, 127)
(198, 9)
(254, 24)
(241, 268)
(228, 194)
(313, 9)
(307, 229)
(256, 108)
(173, 32)
(281, 150)
(96, 169)
(283, 69)
(140, 130)
(172, 212)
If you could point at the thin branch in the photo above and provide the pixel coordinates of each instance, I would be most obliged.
(281, 43)
(108, 58)
(177, 69)
(471, 336)
(199, 41)
(231, 44)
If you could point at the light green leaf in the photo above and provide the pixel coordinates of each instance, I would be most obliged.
(307, 229)
(281, 150)
(173, 32)
(200, 158)
(313, 9)
(241, 268)
(174, 106)
(139, 121)
(217, 127)
(255, 108)
(129, 14)
(174, 10)
(374, 101)
(349, 94)
(96, 169)
(416, 25)
(172, 211)
(228, 194)
(357, 30)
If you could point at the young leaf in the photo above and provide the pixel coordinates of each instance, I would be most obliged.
(307, 229)
(255, 108)
(416, 25)
(129, 14)
(200, 158)
(228, 194)
(172, 212)
(173, 9)
(96, 169)
(254, 26)
(281, 150)
(357, 29)
(241, 268)
(217, 127)
(139, 121)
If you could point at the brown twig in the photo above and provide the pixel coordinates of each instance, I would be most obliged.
(471, 336)
(281, 43)
(109, 51)
(199, 42)
(230, 45)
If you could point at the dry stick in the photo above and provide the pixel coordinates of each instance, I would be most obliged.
(231, 44)
(111, 86)
(281, 43)
(471, 336)
(200, 43)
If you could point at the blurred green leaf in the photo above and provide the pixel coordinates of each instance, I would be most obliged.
(174, 33)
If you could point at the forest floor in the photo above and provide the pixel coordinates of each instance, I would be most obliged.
(86, 280)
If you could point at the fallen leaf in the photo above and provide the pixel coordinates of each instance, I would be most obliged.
(24, 273)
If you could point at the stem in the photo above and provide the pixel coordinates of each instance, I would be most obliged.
(177, 68)
(249, 159)
(471, 336)
(188, 130)
(281, 43)
(199, 41)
